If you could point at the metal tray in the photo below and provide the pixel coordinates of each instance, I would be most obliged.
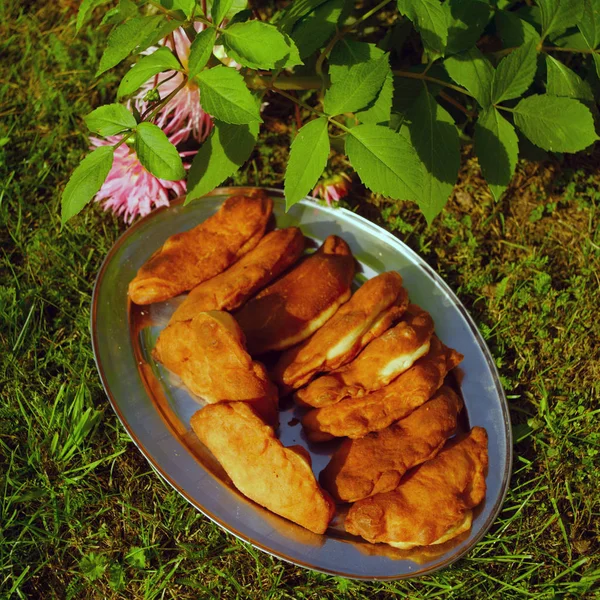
(155, 408)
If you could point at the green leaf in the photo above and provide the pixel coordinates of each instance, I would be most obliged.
(589, 25)
(308, 157)
(237, 6)
(378, 112)
(557, 15)
(93, 565)
(85, 9)
(219, 9)
(555, 124)
(313, 31)
(434, 135)
(596, 58)
(157, 154)
(564, 82)
(185, 6)
(200, 51)
(294, 12)
(220, 156)
(126, 9)
(429, 19)
(255, 44)
(125, 39)
(292, 59)
(226, 97)
(136, 557)
(110, 120)
(474, 71)
(571, 38)
(514, 31)
(86, 181)
(116, 577)
(385, 161)
(357, 72)
(408, 89)
(347, 53)
(497, 148)
(148, 66)
(515, 73)
(466, 21)
(165, 28)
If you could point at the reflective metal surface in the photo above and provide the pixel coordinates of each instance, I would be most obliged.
(155, 409)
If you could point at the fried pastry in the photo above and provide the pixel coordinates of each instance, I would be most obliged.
(380, 362)
(276, 477)
(371, 311)
(296, 305)
(230, 289)
(432, 504)
(208, 354)
(356, 417)
(189, 258)
(376, 463)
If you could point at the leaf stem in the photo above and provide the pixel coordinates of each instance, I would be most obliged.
(257, 82)
(575, 50)
(457, 104)
(208, 23)
(316, 112)
(505, 51)
(123, 139)
(297, 101)
(164, 101)
(342, 32)
(412, 75)
(152, 112)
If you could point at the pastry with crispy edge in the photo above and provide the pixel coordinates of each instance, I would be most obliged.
(377, 462)
(229, 290)
(191, 257)
(433, 503)
(356, 417)
(373, 308)
(292, 308)
(208, 354)
(380, 362)
(276, 477)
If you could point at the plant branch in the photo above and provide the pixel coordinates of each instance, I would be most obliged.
(303, 82)
(572, 50)
(297, 101)
(441, 82)
(152, 112)
(505, 51)
(457, 104)
(316, 112)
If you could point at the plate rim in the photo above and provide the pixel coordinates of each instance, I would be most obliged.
(383, 233)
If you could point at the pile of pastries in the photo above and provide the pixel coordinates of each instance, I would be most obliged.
(367, 367)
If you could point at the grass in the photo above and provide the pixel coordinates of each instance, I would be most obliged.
(82, 514)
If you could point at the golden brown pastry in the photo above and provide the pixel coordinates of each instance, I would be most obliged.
(189, 258)
(432, 504)
(371, 310)
(355, 417)
(304, 299)
(230, 289)
(376, 463)
(380, 362)
(264, 470)
(208, 354)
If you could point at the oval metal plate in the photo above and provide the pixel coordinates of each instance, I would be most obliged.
(155, 408)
